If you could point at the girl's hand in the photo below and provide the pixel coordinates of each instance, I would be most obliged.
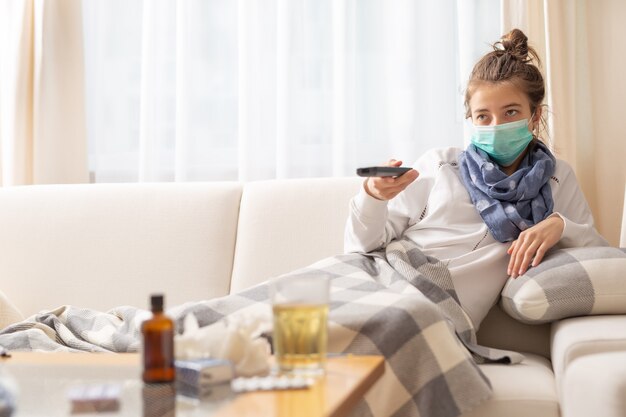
(533, 243)
(386, 188)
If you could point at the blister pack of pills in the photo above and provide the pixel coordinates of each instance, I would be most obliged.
(270, 383)
(94, 398)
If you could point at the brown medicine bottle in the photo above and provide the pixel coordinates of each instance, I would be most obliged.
(158, 344)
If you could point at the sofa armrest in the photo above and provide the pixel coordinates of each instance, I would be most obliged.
(594, 385)
(579, 337)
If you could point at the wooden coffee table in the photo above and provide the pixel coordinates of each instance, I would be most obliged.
(45, 377)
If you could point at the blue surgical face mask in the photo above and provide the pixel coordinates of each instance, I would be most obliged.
(503, 143)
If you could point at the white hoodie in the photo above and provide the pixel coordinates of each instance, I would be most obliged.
(436, 212)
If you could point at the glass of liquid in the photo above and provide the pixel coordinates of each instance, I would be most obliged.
(300, 316)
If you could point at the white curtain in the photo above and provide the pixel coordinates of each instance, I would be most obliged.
(258, 89)
(42, 112)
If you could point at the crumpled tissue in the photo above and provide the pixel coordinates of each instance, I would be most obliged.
(235, 338)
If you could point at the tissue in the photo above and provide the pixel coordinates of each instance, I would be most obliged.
(235, 338)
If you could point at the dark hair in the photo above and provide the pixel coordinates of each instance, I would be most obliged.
(513, 61)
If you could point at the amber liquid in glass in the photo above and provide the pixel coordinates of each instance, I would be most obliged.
(300, 333)
(158, 345)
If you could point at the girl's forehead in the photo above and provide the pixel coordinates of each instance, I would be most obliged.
(493, 96)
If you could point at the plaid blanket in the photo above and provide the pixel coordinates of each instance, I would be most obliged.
(397, 303)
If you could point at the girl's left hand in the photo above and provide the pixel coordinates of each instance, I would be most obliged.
(533, 243)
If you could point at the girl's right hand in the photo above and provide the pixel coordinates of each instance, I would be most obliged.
(386, 188)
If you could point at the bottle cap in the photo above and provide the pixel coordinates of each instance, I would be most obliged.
(156, 301)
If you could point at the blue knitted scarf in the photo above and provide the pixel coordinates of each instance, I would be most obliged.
(509, 204)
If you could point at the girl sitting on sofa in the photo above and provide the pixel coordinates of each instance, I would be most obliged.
(494, 209)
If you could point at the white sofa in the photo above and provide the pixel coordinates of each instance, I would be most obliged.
(106, 245)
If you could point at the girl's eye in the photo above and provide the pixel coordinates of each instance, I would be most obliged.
(511, 112)
(481, 117)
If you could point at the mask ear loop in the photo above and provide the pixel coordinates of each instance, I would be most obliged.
(535, 129)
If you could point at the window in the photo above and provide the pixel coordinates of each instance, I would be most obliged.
(226, 90)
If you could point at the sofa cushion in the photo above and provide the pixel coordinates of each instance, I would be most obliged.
(288, 224)
(567, 283)
(522, 390)
(501, 331)
(106, 245)
(582, 336)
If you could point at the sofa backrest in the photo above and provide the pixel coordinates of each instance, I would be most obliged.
(289, 224)
(104, 245)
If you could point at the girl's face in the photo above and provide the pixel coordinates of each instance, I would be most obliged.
(498, 103)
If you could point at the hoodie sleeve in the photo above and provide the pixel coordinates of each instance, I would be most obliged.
(373, 223)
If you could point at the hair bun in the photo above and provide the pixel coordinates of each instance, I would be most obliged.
(515, 43)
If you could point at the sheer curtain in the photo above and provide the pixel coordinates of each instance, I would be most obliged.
(257, 89)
